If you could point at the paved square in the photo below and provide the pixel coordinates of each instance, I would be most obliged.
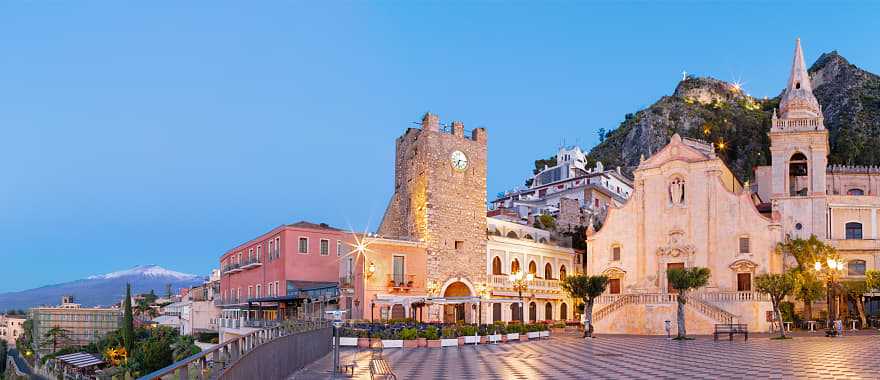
(633, 357)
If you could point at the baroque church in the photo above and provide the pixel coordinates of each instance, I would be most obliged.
(688, 210)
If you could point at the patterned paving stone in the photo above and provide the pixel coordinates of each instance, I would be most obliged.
(631, 357)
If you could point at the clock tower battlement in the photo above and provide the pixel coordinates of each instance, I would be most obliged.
(440, 198)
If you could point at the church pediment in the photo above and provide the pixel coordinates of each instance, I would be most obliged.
(676, 150)
(743, 265)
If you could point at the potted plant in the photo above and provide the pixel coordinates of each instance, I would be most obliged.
(468, 335)
(409, 336)
(533, 331)
(483, 331)
(391, 339)
(375, 339)
(496, 333)
(363, 339)
(513, 330)
(449, 337)
(422, 340)
(347, 338)
(432, 336)
(558, 328)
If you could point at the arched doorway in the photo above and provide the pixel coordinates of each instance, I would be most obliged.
(533, 312)
(548, 311)
(453, 313)
(563, 311)
(548, 271)
(515, 312)
(514, 266)
(533, 268)
(398, 312)
(496, 312)
(496, 265)
(562, 273)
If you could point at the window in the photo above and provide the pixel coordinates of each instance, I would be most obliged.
(563, 311)
(614, 286)
(250, 288)
(496, 265)
(259, 252)
(271, 250)
(325, 247)
(239, 258)
(250, 255)
(514, 266)
(548, 271)
(562, 272)
(855, 192)
(744, 245)
(303, 245)
(533, 268)
(855, 268)
(512, 235)
(459, 244)
(744, 282)
(397, 267)
(277, 247)
(853, 230)
(277, 289)
(338, 248)
(615, 253)
(258, 291)
(798, 175)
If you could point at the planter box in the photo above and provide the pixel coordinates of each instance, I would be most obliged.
(422, 342)
(375, 342)
(392, 343)
(461, 341)
(471, 339)
(348, 341)
(449, 342)
(544, 334)
(363, 342)
(434, 343)
(533, 334)
(410, 343)
(557, 331)
(495, 338)
(484, 339)
(513, 336)
(524, 337)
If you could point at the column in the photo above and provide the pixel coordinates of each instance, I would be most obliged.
(873, 223)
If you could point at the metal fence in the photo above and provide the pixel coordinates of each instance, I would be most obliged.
(275, 351)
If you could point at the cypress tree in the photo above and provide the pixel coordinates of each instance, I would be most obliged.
(127, 321)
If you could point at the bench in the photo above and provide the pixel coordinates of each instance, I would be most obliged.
(350, 365)
(380, 367)
(731, 329)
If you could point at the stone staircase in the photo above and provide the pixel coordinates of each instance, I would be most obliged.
(698, 304)
(716, 313)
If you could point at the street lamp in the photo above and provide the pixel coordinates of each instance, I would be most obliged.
(521, 283)
(482, 292)
(829, 271)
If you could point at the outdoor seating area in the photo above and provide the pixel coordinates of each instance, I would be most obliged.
(79, 365)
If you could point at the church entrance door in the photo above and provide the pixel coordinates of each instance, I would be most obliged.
(672, 266)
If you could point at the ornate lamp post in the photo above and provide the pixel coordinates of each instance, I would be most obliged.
(482, 292)
(521, 283)
(830, 270)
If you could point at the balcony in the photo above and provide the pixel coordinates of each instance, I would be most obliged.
(401, 283)
(252, 263)
(232, 268)
(538, 285)
(346, 282)
(856, 244)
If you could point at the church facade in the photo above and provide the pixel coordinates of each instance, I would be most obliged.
(689, 210)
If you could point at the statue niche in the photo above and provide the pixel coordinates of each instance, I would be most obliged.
(676, 192)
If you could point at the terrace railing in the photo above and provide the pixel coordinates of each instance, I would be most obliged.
(282, 348)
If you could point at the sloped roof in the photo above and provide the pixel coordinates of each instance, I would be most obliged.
(310, 225)
(80, 359)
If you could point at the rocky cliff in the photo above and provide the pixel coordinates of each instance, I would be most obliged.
(719, 112)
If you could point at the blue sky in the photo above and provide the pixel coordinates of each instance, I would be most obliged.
(166, 132)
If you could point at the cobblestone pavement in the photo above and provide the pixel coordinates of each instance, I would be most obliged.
(631, 357)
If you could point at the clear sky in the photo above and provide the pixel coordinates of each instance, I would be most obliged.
(166, 132)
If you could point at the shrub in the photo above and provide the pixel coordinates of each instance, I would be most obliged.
(430, 333)
(409, 334)
(558, 325)
(514, 328)
(467, 330)
(449, 332)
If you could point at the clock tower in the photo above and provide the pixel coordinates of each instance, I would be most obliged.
(440, 198)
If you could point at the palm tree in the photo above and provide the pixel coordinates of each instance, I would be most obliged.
(183, 347)
(585, 288)
(777, 286)
(55, 335)
(683, 280)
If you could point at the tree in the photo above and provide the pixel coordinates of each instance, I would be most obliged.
(855, 289)
(808, 289)
(54, 336)
(127, 321)
(183, 347)
(585, 288)
(872, 279)
(683, 280)
(2, 357)
(545, 222)
(602, 134)
(777, 286)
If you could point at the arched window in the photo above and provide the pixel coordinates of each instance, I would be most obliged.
(563, 311)
(548, 271)
(798, 175)
(548, 311)
(853, 230)
(855, 192)
(512, 235)
(515, 312)
(542, 241)
(562, 273)
(855, 268)
(514, 266)
(528, 237)
(496, 265)
(533, 268)
(533, 312)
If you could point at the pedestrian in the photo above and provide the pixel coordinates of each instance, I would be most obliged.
(587, 326)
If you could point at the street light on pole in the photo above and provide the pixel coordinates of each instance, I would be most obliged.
(829, 270)
(521, 283)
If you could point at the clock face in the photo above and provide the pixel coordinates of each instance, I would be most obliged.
(459, 160)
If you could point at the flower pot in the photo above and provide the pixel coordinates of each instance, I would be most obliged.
(513, 336)
(345, 341)
(434, 343)
(449, 342)
(495, 338)
(524, 337)
(533, 334)
(484, 339)
(363, 342)
(422, 342)
(544, 334)
(410, 343)
(392, 343)
(471, 339)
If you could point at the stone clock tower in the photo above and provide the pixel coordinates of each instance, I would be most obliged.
(440, 198)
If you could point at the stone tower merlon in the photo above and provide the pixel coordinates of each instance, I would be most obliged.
(431, 122)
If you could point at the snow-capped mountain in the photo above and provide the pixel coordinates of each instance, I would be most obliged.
(102, 290)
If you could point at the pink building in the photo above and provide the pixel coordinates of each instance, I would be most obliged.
(280, 274)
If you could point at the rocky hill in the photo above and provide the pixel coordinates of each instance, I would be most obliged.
(719, 112)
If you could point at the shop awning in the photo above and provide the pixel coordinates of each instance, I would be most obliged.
(80, 360)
